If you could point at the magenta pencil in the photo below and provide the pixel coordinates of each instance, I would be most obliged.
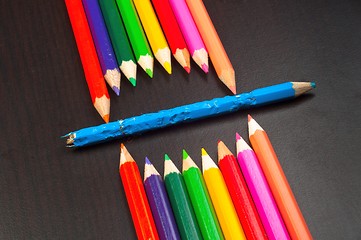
(260, 191)
(190, 33)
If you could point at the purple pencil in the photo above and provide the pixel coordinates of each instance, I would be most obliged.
(103, 45)
(159, 203)
(260, 191)
(190, 33)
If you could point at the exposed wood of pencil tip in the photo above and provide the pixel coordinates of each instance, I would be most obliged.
(223, 150)
(124, 155)
(183, 58)
(303, 87)
(228, 77)
(113, 76)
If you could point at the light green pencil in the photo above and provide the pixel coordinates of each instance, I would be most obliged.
(138, 40)
(201, 202)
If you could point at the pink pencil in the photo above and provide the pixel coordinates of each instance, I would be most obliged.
(190, 33)
(260, 191)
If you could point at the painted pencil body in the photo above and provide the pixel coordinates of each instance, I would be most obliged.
(190, 33)
(136, 197)
(179, 199)
(103, 44)
(119, 39)
(154, 33)
(241, 198)
(136, 35)
(200, 199)
(222, 202)
(281, 190)
(187, 113)
(91, 66)
(262, 196)
(172, 32)
(214, 46)
(159, 203)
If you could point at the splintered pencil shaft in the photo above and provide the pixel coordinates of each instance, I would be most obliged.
(187, 113)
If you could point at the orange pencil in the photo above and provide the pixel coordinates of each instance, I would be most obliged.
(89, 59)
(136, 197)
(281, 190)
(214, 46)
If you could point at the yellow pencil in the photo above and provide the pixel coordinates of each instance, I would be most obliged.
(222, 202)
(154, 33)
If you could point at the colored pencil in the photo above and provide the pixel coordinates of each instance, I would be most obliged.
(181, 204)
(222, 202)
(213, 43)
(136, 35)
(260, 191)
(103, 45)
(242, 200)
(190, 33)
(159, 203)
(154, 33)
(281, 190)
(186, 113)
(200, 199)
(91, 66)
(120, 42)
(136, 197)
(172, 32)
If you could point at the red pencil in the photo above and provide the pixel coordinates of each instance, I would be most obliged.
(136, 197)
(91, 66)
(172, 32)
(242, 200)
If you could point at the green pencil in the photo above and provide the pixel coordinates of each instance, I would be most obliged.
(138, 40)
(180, 202)
(202, 205)
(119, 39)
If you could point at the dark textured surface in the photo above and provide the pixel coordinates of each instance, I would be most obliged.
(50, 192)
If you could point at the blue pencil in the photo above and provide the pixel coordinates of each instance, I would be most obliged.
(187, 113)
(159, 203)
(103, 45)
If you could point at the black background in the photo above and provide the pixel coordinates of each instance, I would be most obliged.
(48, 191)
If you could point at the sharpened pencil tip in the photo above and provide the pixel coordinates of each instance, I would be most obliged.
(313, 84)
(133, 81)
(185, 154)
(106, 118)
(167, 67)
(233, 89)
(149, 72)
(204, 153)
(249, 118)
(238, 137)
(166, 157)
(147, 161)
(205, 68)
(188, 69)
(116, 90)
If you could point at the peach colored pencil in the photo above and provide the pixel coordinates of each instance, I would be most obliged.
(281, 190)
(214, 46)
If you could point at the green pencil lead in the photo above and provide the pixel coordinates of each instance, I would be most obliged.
(185, 154)
(166, 157)
(149, 72)
(133, 81)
